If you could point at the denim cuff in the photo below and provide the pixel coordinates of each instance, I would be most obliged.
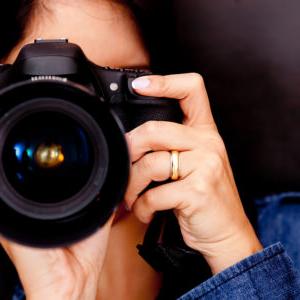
(267, 274)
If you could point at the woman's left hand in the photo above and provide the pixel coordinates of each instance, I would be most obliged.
(205, 198)
(61, 273)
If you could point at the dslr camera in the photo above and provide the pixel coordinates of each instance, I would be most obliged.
(64, 162)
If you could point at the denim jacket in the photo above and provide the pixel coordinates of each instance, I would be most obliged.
(269, 274)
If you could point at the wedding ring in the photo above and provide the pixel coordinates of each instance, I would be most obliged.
(174, 174)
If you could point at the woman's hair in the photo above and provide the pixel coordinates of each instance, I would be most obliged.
(15, 17)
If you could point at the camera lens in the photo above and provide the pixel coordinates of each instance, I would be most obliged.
(48, 157)
(64, 162)
(54, 157)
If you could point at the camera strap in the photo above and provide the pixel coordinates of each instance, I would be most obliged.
(163, 248)
(162, 255)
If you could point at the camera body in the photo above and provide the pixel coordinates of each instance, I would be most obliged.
(64, 159)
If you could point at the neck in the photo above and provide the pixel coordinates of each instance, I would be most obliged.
(125, 275)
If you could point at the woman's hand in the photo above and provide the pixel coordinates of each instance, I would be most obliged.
(205, 198)
(69, 273)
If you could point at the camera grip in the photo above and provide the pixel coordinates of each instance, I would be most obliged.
(142, 109)
(155, 111)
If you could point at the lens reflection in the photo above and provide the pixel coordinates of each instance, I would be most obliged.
(48, 157)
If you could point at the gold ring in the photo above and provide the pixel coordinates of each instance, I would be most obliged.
(174, 174)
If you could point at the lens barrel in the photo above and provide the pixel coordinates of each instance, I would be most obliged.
(64, 163)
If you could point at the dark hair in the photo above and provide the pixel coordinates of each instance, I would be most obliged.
(16, 14)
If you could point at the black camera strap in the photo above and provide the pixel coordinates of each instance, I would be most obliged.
(163, 248)
(162, 255)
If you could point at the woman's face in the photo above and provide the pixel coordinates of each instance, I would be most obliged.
(105, 30)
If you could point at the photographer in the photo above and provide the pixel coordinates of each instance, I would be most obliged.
(203, 193)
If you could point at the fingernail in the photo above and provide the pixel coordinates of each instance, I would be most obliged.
(140, 83)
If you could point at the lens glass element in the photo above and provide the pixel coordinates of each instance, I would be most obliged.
(48, 157)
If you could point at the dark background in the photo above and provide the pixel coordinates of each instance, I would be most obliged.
(248, 52)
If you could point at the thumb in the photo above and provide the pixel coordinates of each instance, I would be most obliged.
(33, 265)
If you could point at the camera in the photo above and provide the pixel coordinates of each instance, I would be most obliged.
(64, 163)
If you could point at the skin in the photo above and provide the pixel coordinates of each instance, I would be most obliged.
(205, 198)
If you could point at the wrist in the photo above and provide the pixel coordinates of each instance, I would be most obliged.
(48, 296)
(233, 250)
(57, 293)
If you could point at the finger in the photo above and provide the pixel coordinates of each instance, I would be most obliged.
(161, 135)
(94, 246)
(25, 257)
(188, 88)
(155, 166)
(15, 251)
(34, 263)
(164, 197)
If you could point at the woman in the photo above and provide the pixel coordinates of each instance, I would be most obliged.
(203, 195)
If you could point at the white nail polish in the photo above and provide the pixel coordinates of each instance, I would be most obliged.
(140, 83)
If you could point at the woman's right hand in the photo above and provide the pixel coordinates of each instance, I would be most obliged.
(205, 198)
(62, 273)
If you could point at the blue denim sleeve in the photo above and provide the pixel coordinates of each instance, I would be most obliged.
(18, 293)
(269, 274)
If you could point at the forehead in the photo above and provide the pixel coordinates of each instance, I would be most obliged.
(105, 30)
